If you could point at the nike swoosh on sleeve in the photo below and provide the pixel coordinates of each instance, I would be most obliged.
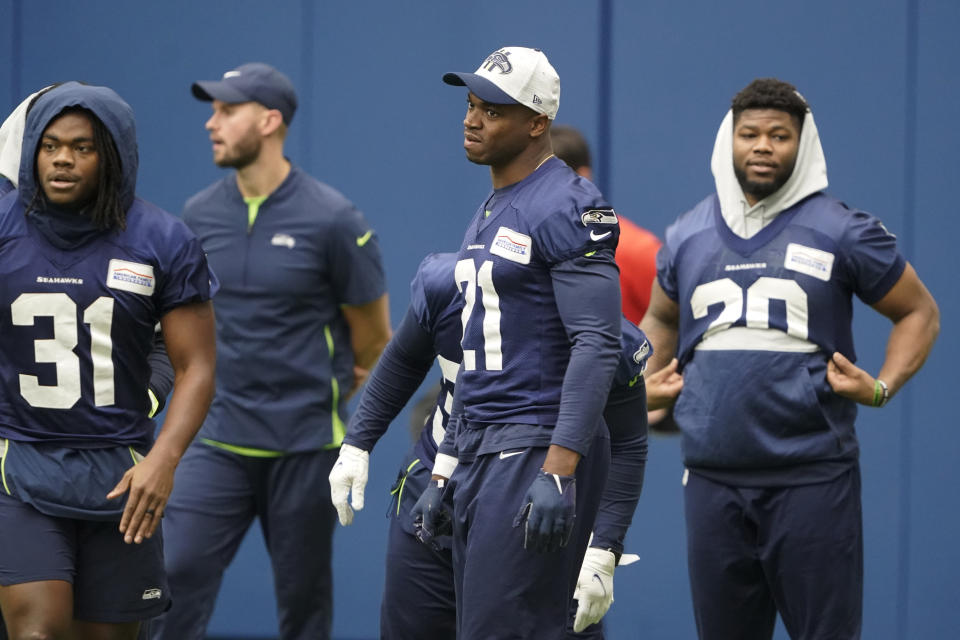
(362, 240)
(599, 236)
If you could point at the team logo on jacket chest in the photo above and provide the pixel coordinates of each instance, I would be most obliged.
(512, 245)
(283, 240)
(131, 276)
(807, 260)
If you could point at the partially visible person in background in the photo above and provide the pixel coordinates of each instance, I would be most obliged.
(302, 316)
(637, 252)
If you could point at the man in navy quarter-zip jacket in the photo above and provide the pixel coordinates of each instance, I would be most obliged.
(301, 317)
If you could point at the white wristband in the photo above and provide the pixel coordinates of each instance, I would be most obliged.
(444, 465)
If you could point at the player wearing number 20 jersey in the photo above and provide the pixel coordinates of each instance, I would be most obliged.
(772, 308)
(755, 291)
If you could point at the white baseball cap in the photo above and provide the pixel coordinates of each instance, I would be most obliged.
(514, 75)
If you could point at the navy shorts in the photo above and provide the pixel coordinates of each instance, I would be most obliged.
(113, 581)
(754, 552)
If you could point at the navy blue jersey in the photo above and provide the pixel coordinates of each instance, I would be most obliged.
(78, 312)
(771, 310)
(635, 351)
(437, 305)
(515, 345)
(430, 329)
(284, 358)
(76, 326)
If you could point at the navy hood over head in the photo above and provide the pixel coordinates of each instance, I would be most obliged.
(104, 103)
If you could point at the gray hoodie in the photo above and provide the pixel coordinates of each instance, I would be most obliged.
(809, 176)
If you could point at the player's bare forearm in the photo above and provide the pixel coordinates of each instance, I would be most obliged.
(369, 331)
(908, 346)
(190, 335)
(561, 461)
(916, 324)
(660, 324)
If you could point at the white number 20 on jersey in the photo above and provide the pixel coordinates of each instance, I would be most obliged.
(469, 279)
(753, 304)
(59, 350)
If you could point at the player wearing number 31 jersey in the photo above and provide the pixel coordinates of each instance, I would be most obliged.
(87, 270)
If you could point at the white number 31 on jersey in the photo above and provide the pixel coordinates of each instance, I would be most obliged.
(59, 350)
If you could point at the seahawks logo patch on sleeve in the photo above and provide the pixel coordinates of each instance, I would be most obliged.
(640, 355)
(599, 216)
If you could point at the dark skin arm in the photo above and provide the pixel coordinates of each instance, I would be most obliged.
(561, 461)
(916, 323)
(189, 333)
(660, 324)
(369, 334)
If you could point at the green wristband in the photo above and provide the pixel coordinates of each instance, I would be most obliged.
(881, 393)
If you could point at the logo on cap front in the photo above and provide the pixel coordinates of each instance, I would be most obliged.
(498, 60)
(231, 74)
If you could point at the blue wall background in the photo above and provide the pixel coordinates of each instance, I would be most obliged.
(648, 83)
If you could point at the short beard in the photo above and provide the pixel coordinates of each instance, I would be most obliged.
(761, 190)
(244, 153)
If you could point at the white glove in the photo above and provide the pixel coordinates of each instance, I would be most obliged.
(349, 472)
(594, 592)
